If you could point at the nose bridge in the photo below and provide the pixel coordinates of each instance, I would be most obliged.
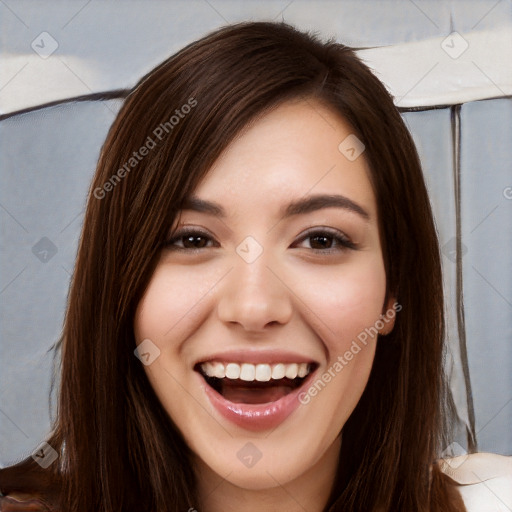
(253, 296)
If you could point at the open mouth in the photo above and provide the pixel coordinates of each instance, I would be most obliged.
(245, 383)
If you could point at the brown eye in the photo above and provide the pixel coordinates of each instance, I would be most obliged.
(193, 241)
(188, 240)
(327, 241)
(321, 241)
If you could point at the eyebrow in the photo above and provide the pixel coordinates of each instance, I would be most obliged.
(299, 207)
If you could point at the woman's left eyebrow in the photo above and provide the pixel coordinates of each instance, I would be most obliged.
(299, 207)
(318, 201)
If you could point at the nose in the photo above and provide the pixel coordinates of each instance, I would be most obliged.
(254, 296)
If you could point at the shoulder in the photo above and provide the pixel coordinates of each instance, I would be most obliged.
(28, 487)
(484, 480)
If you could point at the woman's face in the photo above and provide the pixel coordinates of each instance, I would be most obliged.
(262, 310)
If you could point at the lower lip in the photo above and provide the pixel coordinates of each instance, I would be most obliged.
(256, 416)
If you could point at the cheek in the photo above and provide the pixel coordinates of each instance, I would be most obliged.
(171, 305)
(347, 300)
(168, 314)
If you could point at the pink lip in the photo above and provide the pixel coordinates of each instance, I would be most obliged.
(256, 416)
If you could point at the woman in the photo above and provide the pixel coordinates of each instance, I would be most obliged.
(255, 320)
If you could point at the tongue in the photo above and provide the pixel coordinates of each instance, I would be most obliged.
(253, 395)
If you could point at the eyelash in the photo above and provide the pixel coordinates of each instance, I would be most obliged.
(340, 239)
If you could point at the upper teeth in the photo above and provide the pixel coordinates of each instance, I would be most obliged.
(259, 372)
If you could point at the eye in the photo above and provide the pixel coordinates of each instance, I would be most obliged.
(188, 240)
(328, 240)
(321, 240)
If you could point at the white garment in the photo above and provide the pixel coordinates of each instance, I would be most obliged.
(485, 480)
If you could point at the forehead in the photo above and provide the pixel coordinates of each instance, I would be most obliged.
(291, 152)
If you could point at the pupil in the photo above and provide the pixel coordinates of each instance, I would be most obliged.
(323, 245)
(193, 241)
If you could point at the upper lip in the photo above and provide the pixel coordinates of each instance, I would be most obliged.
(256, 356)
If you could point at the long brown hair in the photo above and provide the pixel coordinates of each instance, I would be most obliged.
(119, 448)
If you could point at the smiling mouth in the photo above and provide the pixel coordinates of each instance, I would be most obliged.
(254, 384)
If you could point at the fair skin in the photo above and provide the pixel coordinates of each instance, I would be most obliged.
(307, 296)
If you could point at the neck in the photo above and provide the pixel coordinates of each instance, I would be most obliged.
(310, 491)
